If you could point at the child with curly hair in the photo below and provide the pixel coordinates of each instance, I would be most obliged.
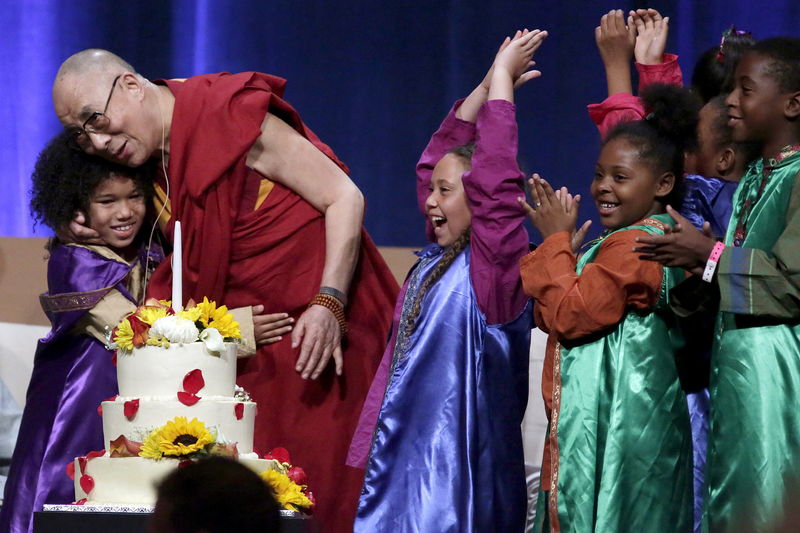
(90, 289)
(440, 432)
(618, 455)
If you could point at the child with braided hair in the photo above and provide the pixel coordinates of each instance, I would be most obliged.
(440, 431)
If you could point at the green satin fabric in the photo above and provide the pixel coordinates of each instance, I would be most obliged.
(754, 439)
(625, 448)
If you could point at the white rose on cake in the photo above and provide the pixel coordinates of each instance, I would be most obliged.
(175, 329)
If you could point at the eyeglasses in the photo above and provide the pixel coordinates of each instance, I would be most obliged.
(96, 123)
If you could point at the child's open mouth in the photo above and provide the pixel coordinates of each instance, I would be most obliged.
(438, 221)
(606, 208)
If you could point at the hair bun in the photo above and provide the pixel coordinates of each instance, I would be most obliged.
(673, 111)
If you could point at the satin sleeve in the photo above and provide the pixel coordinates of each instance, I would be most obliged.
(572, 306)
(452, 133)
(668, 71)
(765, 283)
(499, 239)
(105, 316)
(625, 107)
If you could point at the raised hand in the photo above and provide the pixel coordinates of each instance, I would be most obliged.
(548, 214)
(515, 56)
(615, 39)
(681, 245)
(651, 36)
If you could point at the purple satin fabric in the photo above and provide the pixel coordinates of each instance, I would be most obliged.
(72, 374)
(446, 454)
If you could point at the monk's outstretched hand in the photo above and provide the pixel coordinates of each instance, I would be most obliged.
(318, 335)
(681, 245)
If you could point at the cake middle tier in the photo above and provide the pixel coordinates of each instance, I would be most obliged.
(218, 414)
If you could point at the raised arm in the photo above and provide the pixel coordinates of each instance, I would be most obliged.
(283, 155)
(652, 64)
(494, 183)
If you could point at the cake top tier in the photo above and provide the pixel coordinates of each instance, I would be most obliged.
(161, 353)
(155, 371)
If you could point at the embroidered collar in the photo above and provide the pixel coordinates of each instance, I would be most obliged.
(785, 153)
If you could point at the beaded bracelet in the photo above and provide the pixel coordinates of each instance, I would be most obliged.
(334, 306)
(336, 293)
(713, 260)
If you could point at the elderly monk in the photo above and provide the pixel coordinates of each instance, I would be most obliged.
(269, 217)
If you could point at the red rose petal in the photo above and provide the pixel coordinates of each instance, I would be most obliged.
(81, 501)
(100, 407)
(193, 381)
(114, 359)
(279, 454)
(82, 464)
(297, 475)
(122, 447)
(71, 470)
(140, 331)
(188, 399)
(238, 410)
(131, 407)
(87, 483)
(95, 454)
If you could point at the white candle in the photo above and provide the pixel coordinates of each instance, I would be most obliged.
(177, 270)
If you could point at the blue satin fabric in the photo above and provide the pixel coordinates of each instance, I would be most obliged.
(711, 200)
(447, 451)
(708, 199)
(72, 374)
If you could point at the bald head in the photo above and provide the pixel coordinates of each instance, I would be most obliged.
(96, 83)
(93, 61)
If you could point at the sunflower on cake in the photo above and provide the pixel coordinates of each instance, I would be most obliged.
(178, 402)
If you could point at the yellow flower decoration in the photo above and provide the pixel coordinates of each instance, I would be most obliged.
(218, 317)
(150, 448)
(192, 314)
(123, 336)
(180, 437)
(149, 314)
(288, 493)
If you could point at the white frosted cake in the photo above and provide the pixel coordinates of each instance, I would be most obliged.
(173, 399)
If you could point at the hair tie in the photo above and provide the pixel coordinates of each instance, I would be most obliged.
(727, 33)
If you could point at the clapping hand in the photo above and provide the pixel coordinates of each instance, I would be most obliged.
(554, 211)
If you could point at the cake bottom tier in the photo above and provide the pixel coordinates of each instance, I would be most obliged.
(133, 480)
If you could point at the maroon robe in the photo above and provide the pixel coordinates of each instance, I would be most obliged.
(240, 255)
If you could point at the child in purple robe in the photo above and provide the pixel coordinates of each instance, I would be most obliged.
(90, 289)
(440, 432)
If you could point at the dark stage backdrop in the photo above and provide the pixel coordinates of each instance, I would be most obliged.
(373, 78)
